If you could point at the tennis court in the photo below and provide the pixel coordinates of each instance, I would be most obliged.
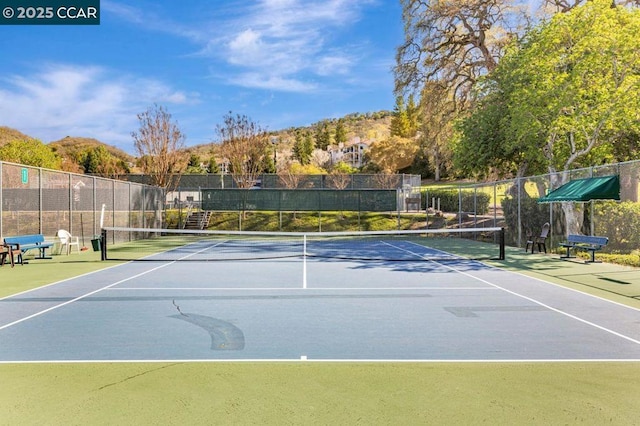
(396, 300)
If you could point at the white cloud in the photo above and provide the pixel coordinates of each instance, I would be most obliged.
(286, 39)
(272, 82)
(333, 65)
(246, 48)
(70, 100)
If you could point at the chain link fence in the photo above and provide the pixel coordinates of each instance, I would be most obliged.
(513, 204)
(187, 193)
(35, 200)
(40, 201)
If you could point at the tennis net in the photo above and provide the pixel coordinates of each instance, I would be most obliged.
(195, 245)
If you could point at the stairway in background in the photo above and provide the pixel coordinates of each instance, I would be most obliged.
(197, 220)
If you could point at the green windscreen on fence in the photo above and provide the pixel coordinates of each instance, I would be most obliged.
(372, 200)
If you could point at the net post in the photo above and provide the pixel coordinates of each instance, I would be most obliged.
(103, 244)
(502, 254)
(304, 261)
(398, 205)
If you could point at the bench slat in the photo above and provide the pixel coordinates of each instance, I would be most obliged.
(586, 239)
(29, 242)
(584, 242)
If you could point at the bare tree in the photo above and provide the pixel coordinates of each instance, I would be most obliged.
(454, 42)
(436, 129)
(288, 177)
(386, 180)
(245, 145)
(448, 47)
(320, 158)
(159, 142)
(338, 180)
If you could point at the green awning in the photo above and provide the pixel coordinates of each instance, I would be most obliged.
(596, 188)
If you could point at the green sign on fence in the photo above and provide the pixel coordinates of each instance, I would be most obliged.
(25, 175)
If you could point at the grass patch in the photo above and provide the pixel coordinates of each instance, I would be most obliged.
(331, 393)
(314, 222)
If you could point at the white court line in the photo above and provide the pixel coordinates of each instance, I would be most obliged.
(61, 281)
(575, 290)
(323, 360)
(37, 314)
(423, 256)
(296, 288)
(537, 302)
(91, 293)
(544, 305)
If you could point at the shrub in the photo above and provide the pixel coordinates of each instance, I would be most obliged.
(620, 222)
(533, 216)
(450, 200)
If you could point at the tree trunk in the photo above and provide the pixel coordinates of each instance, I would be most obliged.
(573, 218)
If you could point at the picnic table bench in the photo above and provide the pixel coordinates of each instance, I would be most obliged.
(584, 243)
(24, 243)
(412, 202)
(10, 252)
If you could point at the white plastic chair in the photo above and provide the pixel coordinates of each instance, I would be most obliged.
(67, 240)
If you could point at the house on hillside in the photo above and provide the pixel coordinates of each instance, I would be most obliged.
(351, 153)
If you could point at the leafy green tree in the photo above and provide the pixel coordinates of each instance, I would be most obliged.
(213, 165)
(566, 97)
(91, 162)
(194, 166)
(99, 161)
(574, 86)
(563, 97)
(342, 167)
(303, 147)
(400, 125)
(30, 153)
(322, 135)
(483, 148)
(394, 153)
(341, 132)
(413, 117)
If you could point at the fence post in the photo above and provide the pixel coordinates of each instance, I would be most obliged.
(426, 208)
(1, 200)
(459, 206)
(40, 200)
(518, 184)
(495, 205)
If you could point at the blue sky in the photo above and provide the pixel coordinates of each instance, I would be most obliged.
(281, 62)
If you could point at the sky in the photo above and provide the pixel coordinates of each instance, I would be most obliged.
(282, 63)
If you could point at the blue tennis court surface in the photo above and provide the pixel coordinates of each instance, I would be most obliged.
(314, 309)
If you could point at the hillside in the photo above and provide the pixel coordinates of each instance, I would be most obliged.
(72, 147)
(369, 127)
(7, 134)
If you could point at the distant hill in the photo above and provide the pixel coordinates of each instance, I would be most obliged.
(370, 127)
(72, 147)
(7, 134)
